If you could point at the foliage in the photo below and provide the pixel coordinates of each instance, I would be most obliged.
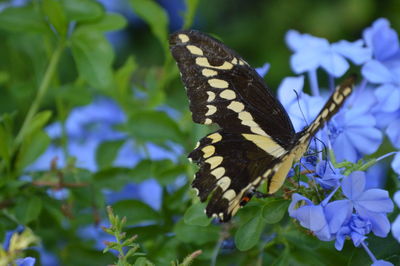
(86, 122)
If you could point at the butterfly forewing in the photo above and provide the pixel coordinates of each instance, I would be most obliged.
(223, 89)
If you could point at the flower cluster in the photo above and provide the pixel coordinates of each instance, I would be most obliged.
(340, 203)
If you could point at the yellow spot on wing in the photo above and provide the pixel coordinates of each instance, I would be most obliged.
(208, 151)
(203, 61)
(215, 137)
(347, 91)
(229, 195)
(218, 172)
(224, 183)
(266, 144)
(337, 97)
(183, 37)
(228, 94)
(194, 50)
(209, 72)
(211, 110)
(218, 83)
(236, 106)
(207, 121)
(211, 96)
(214, 161)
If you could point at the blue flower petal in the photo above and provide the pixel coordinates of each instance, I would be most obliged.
(311, 217)
(297, 41)
(304, 61)
(344, 149)
(262, 71)
(334, 63)
(379, 221)
(388, 96)
(366, 140)
(337, 213)
(295, 199)
(286, 94)
(353, 50)
(382, 263)
(28, 261)
(353, 185)
(396, 198)
(396, 229)
(393, 132)
(382, 39)
(341, 237)
(357, 238)
(375, 72)
(375, 200)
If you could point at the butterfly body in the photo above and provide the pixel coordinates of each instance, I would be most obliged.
(256, 141)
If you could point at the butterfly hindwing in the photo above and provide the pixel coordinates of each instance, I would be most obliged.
(223, 89)
(229, 166)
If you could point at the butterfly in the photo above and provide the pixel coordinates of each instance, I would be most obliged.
(256, 141)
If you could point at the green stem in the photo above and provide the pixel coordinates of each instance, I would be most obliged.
(44, 86)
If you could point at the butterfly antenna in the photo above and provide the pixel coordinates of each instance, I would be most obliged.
(298, 103)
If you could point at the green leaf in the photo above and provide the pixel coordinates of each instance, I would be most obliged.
(196, 234)
(107, 152)
(135, 212)
(274, 210)
(28, 210)
(191, 6)
(56, 16)
(109, 22)
(249, 233)
(82, 10)
(122, 78)
(93, 56)
(37, 123)
(195, 215)
(142, 261)
(154, 126)
(166, 171)
(22, 19)
(31, 148)
(142, 171)
(155, 16)
(6, 137)
(112, 178)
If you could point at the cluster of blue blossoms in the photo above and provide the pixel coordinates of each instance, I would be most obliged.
(372, 112)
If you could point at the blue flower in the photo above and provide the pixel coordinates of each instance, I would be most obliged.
(371, 205)
(301, 110)
(382, 39)
(352, 133)
(393, 129)
(384, 68)
(327, 175)
(312, 52)
(28, 261)
(9, 234)
(396, 163)
(396, 224)
(362, 212)
(356, 228)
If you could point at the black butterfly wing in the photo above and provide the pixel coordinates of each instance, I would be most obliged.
(231, 165)
(255, 132)
(223, 89)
